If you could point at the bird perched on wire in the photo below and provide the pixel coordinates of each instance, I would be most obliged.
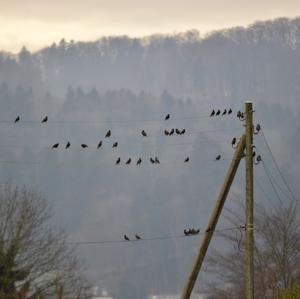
(224, 112)
(17, 119)
(137, 237)
(55, 145)
(144, 133)
(218, 157)
(128, 161)
(253, 154)
(186, 232)
(229, 111)
(83, 145)
(233, 142)
(187, 159)
(152, 160)
(171, 132)
(167, 117)
(182, 132)
(115, 144)
(258, 159)
(139, 161)
(177, 131)
(257, 129)
(126, 238)
(108, 134)
(68, 145)
(167, 133)
(213, 113)
(118, 161)
(45, 119)
(157, 161)
(218, 112)
(99, 144)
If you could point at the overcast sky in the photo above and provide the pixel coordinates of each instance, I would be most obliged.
(36, 23)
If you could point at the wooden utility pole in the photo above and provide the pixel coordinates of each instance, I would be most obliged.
(249, 261)
(214, 217)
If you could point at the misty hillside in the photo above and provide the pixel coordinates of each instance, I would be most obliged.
(128, 85)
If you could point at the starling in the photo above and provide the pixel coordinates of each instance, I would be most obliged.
(156, 161)
(167, 117)
(177, 131)
(55, 145)
(83, 145)
(218, 157)
(218, 112)
(167, 133)
(17, 119)
(171, 132)
(137, 237)
(139, 161)
(229, 111)
(108, 134)
(144, 133)
(115, 144)
(99, 144)
(213, 113)
(233, 142)
(118, 161)
(187, 160)
(68, 145)
(224, 112)
(152, 160)
(182, 132)
(128, 161)
(126, 238)
(186, 232)
(45, 119)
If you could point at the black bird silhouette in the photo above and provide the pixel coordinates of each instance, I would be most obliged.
(118, 160)
(55, 145)
(115, 144)
(213, 113)
(128, 161)
(126, 238)
(197, 231)
(144, 133)
(233, 142)
(99, 144)
(253, 154)
(187, 159)
(218, 157)
(182, 132)
(156, 160)
(257, 129)
(45, 119)
(152, 160)
(68, 145)
(218, 112)
(186, 232)
(229, 111)
(137, 237)
(224, 112)
(258, 159)
(167, 117)
(177, 131)
(171, 132)
(83, 145)
(167, 133)
(139, 161)
(108, 134)
(17, 119)
(239, 114)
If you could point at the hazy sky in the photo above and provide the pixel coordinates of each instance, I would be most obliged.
(36, 23)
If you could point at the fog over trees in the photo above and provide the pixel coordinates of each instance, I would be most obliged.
(127, 85)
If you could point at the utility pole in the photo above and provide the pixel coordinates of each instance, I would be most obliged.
(214, 217)
(249, 260)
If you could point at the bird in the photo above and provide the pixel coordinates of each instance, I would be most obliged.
(137, 237)
(108, 134)
(45, 119)
(128, 161)
(229, 111)
(218, 112)
(167, 117)
(239, 114)
(167, 133)
(182, 132)
(152, 160)
(186, 232)
(157, 161)
(126, 238)
(257, 128)
(253, 154)
(83, 145)
(55, 145)
(144, 133)
(118, 160)
(233, 142)
(213, 113)
(224, 112)
(187, 159)
(171, 132)
(139, 161)
(115, 144)
(68, 145)
(177, 131)
(17, 119)
(197, 231)
(99, 144)
(258, 159)
(218, 157)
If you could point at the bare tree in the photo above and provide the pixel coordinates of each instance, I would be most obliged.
(34, 256)
(277, 254)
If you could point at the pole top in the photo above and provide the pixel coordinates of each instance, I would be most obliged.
(248, 102)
